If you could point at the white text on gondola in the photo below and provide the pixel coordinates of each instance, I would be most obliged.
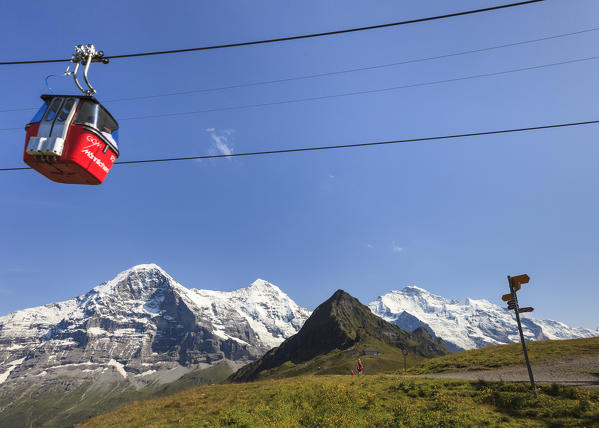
(96, 160)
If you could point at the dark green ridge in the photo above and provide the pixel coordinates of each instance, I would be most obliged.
(341, 323)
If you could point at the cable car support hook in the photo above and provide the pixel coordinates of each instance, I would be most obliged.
(85, 55)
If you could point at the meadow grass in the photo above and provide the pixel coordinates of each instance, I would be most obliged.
(361, 401)
(341, 362)
(506, 355)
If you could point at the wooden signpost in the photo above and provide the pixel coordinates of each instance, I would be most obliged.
(515, 283)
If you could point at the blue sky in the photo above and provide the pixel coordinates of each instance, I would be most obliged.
(454, 217)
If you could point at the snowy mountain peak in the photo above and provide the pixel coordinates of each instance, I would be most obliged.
(261, 283)
(145, 267)
(143, 272)
(415, 293)
(265, 288)
(271, 313)
(412, 289)
(140, 271)
(411, 299)
(471, 324)
(143, 321)
(478, 303)
(138, 282)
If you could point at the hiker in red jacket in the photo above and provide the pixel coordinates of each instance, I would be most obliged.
(360, 366)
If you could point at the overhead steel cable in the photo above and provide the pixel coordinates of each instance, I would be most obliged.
(331, 73)
(345, 94)
(347, 146)
(289, 38)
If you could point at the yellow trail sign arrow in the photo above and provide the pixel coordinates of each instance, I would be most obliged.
(518, 280)
(506, 297)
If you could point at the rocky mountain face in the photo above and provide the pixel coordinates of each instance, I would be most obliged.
(466, 325)
(340, 323)
(143, 327)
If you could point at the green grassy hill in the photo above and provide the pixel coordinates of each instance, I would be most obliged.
(505, 355)
(333, 338)
(352, 401)
(291, 396)
(343, 361)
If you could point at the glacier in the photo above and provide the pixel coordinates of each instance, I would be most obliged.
(466, 325)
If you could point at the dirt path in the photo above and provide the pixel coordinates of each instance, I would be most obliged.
(582, 371)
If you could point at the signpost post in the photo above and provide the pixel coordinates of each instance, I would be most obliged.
(515, 283)
(404, 351)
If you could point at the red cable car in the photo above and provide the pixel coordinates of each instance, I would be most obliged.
(72, 139)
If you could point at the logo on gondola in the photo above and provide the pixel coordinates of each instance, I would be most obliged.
(93, 141)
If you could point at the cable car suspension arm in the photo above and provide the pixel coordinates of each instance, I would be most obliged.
(85, 55)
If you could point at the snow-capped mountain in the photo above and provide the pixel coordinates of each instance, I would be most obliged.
(143, 326)
(467, 325)
(269, 312)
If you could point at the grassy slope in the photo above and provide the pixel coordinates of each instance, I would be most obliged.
(214, 374)
(384, 401)
(505, 355)
(341, 362)
(59, 409)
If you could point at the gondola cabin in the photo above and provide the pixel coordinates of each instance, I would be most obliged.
(72, 139)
